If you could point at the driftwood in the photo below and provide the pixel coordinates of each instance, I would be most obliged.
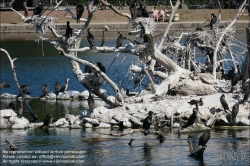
(12, 146)
(130, 131)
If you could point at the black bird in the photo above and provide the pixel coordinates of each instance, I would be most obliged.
(25, 90)
(224, 102)
(137, 80)
(235, 111)
(147, 122)
(68, 30)
(248, 9)
(65, 86)
(198, 29)
(246, 95)
(235, 79)
(192, 117)
(20, 110)
(79, 12)
(213, 21)
(119, 40)
(38, 10)
(145, 12)
(204, 138)
(196, 102)
(91, 39)
(231, 72)
(211, 56)
(100, 66)
(130, 142)
(47, 120)
(133, 11)
(91, 101)
(57, 87)
(4, 84)
(45, 89)
(88, 69)
(139, 10)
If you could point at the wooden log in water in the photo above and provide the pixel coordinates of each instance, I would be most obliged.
(12, 146)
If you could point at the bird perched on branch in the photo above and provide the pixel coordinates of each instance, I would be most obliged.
(100, 66)
(91, 101)
(147, 122)
(133, 11)
(47, 120)
(25, 90)
(213, 21)
(91, 40)
(79, 12)
(196, 102)
(224, 102)
(68, 30)
(192, 118)
(235, 111)
(45, 89)
(57, 87)
(38, 10)
(65, 86)
(119, 40)
(145, 12)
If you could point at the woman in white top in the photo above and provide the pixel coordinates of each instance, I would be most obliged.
(162, 13)
(155, 14)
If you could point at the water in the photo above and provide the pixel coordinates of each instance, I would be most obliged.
(39, 64)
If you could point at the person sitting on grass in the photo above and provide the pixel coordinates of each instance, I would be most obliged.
(155, 14)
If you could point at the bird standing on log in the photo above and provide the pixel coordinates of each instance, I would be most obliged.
(91, 101)
(235, 111)
(119, 40)
(147, 122)
(79, 12)
(68, 30)
(25, 90)
(192, 118)
(47, 120)
(100, 66)
(213, 21)
(133, 11)
(45, 89)
(91, 40)
(65, 86)
(38, 10)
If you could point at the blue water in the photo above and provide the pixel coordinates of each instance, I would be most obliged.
(39, 64)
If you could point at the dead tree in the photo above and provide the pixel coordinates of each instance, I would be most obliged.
(151, 50)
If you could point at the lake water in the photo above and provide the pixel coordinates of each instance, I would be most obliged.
(39, 64)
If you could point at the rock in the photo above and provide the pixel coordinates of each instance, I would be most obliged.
(84, 94)
(63, 96)
(135, 122)
(224, 120)
(4, 123)
(18, 123)
(75, 126)
(176, 125)
(194, 128)
(51, 96)
(126, 123)
(113, 122)
(73, 119)
(33, 125)
(244, 122)
(88, 125)
(104, 125)
(7, 113)
(94, 122)
(60, 122)
(8, 96)
(73, 94)
(104, 119)
(117, 117)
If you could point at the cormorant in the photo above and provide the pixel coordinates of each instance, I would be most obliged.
(145, 12)
(68, 30)
(204, 138)
(79, 12)
(25, 90)
(119, 40)
(133, 11)
(196, 102)
(224, 102)
(130, 142)
(235, 79)
(137, 80)
(38, 10)
(231, 72)
(139, 10)
(235, 111)
(57, 87)
(65, 86)
(91, 39)
(4, 84)
(88, 69)
(213, 21)
(91, 101)
(100, 66)
(211, 56)
(248, 9)
(45, 89)
(198, 29)
(47, 120)
(246, 95)
(192, 117)
(147, 122)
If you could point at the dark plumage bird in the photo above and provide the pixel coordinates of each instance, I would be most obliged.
(224, 102)
(231, 71)
(119, 40)
(192, 117)
(139, 10)
(235, 79)
(79, 12)
(45, 89)
(91, 101)
(196, 102)
(211, 56)
(91, 39)
(38, 10)
(246, 95)
(133, 11)
(4, 84)
(25, 90)
(57, 87)
(65, 86)
(88, 69)
(145, 12)
(235, 111)
(147, 122)
(137, 81)
(130, 142)
(68, 30)
(47, 120)
(198, 29)
(213, 21)
(204, 138)
(100, 66)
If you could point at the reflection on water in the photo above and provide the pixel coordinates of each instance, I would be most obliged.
(145, 150)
